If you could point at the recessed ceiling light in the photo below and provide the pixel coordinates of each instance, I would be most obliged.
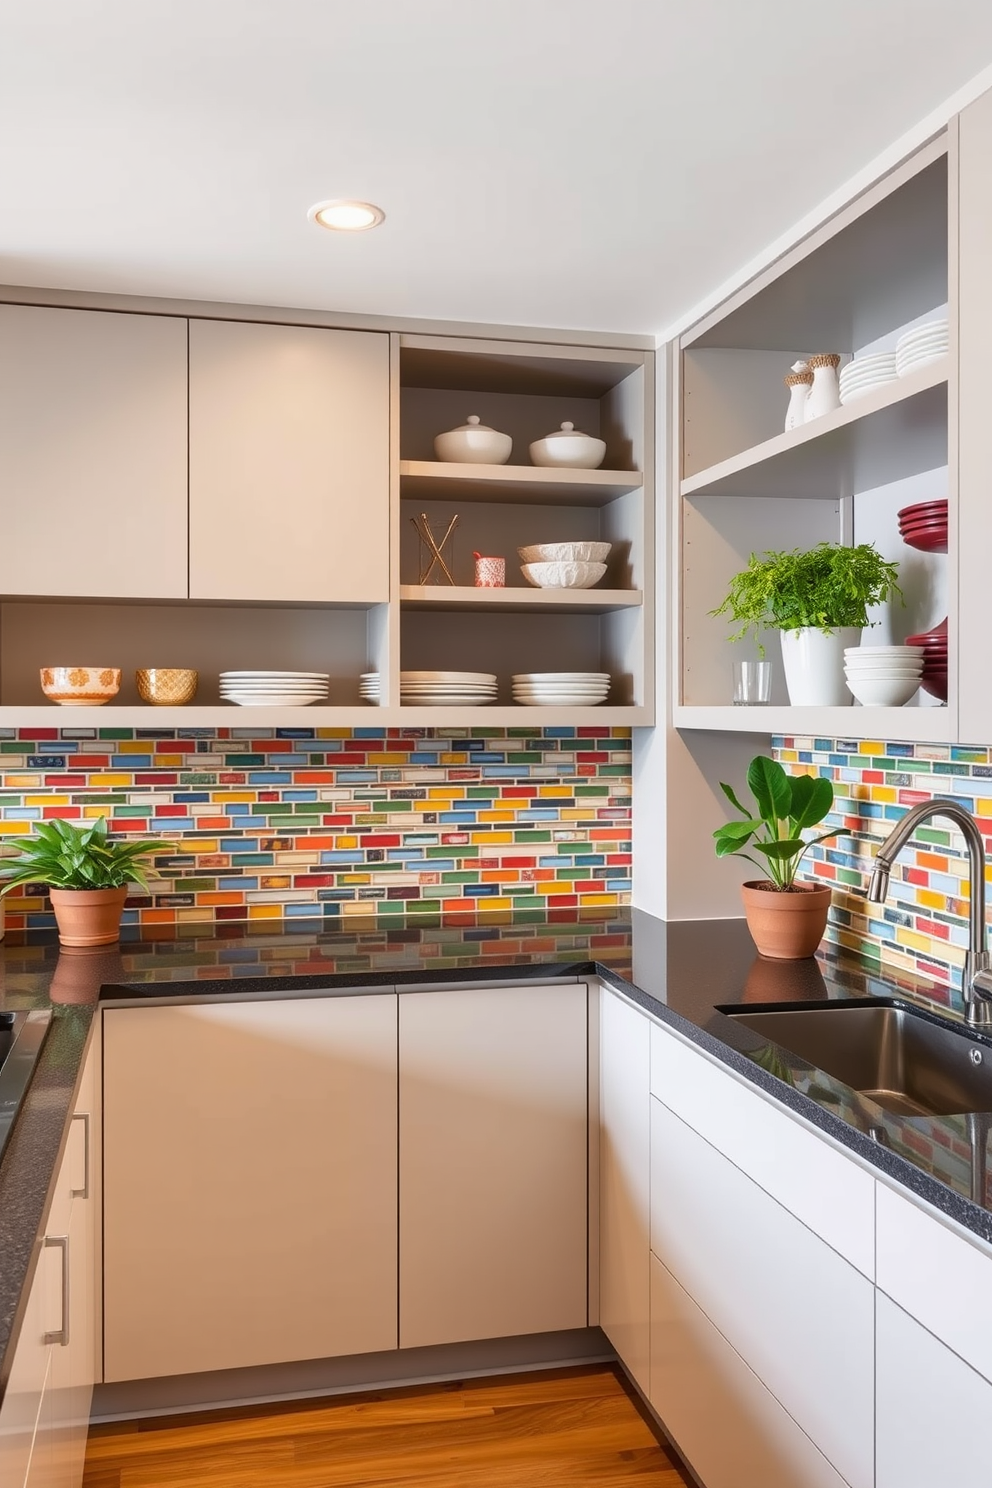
(346, 216)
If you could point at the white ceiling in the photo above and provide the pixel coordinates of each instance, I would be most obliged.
(599, 164)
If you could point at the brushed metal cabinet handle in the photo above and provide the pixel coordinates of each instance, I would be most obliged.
(84, 1192)
(62, 1336)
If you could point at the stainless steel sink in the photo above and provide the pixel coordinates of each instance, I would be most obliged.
(904, 1061)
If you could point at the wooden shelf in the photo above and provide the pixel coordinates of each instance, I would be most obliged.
(518, 600)
(248, 721)
(907, 725)
(892, 430)
(435, 480)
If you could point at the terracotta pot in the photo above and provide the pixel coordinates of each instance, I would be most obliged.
(88, 917)
(786, 925)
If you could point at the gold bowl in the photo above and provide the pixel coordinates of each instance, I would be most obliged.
(166, 685)
(80, 686)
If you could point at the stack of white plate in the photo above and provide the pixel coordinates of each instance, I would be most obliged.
(922, 344)
(560, 689)
(368, 687)
(883, 676)
(454, 689)
(273, 689)
(866, 373)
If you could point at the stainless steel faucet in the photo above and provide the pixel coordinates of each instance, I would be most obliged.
(976, 980)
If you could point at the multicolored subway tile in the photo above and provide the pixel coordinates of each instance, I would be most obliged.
(264, 824)
(923, 926)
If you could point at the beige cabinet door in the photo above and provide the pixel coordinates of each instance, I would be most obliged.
(493, 1162)
(92, 453)
(289, 463)
(249, 1183)
(624, 1181)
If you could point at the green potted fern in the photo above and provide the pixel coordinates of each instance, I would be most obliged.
(87, 873)
(819, 599)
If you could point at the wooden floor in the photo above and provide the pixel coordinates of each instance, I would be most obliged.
(560, 1427)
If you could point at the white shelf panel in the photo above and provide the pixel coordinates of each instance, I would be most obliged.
(360, 716)
(517, 600)
(435, 480)
(905, 725)
(881, 431)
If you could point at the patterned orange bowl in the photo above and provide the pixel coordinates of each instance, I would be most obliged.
(166, 685)
(80, 686)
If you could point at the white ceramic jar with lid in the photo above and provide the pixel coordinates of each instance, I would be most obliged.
(570, 448)
(473, 443)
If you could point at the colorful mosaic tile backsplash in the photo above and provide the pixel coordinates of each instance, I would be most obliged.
(290, 823)
(923, 926)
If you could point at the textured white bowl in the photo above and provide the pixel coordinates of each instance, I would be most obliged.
(566, 552)
(563, 575)
(570, 449)
(882, 693)
(473, 444)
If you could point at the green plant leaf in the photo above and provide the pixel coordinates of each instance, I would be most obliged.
(826, 587)
(812, 798)
(65, 855)
(780, 851)
(769, 784)
(733, 799)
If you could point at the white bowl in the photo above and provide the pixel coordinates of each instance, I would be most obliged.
(569, 448)
(563, 575)
(473, 443)
(566, 552)
(883, 692)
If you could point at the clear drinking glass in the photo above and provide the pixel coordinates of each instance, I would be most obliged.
(752, 682)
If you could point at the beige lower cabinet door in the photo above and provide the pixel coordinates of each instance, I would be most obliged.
(493, 1162)
(249, 1183)
(288, 463)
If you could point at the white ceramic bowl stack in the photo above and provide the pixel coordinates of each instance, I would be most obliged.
(369, 687)
(922, 344)
(564, 565)
(883, 676)
(273, 689)
(447, 689)
(865, 374)
(560, 689)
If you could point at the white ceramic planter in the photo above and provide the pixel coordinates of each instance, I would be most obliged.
(814, 667)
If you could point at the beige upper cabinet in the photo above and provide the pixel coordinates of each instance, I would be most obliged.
(493, 1162)
(289, 463)
(92, 453)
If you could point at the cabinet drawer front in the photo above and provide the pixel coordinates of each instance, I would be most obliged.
(727, 1426)
(937, 1276)
(932, 1411)
(27, 1381)
(803, 1172)
(795, 1311)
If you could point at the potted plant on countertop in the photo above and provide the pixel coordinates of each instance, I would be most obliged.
(87, 874)
(819, 599)
(786, 919)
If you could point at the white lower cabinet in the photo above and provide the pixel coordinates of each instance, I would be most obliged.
(932, 1409)
(624, 1182)
(249, 1183)
(720, 1416)
(493, 1126)
(798, 1314)
(46, 1405)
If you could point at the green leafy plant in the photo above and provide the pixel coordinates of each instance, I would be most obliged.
(824, 588)
(786, 806)
(66, 856)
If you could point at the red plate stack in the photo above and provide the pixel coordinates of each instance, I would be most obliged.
(924, 526)
(934, 645)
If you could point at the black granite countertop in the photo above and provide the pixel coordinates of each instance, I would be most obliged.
(681, 973)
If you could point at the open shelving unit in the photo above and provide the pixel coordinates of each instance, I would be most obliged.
(742, 485)
(527, 391)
